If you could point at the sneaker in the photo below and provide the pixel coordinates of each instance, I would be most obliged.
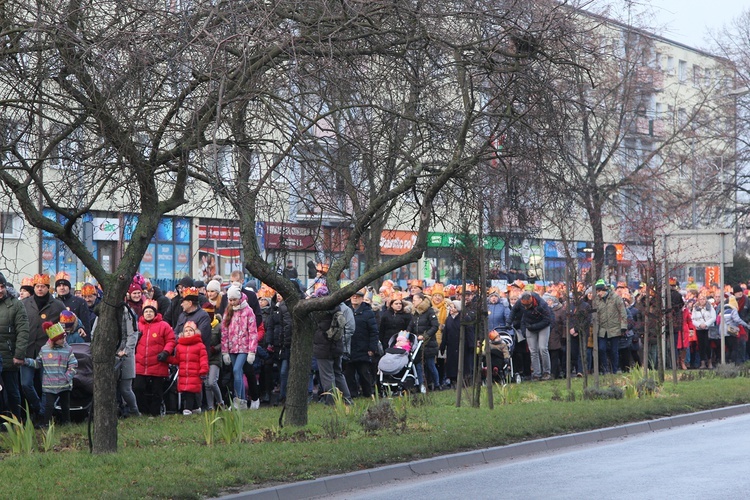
(423, 389)
(546, 376)
(254, 404)
(197, 411)
(243, 404)
(187, 412)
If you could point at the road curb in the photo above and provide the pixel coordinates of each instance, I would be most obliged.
(351, 480)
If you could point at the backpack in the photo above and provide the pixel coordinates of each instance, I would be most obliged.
(338, 327)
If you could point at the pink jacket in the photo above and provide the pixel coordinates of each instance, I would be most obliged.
(241, 335)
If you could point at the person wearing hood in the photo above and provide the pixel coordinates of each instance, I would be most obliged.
(364, 345)
(612, 320)
(174, 307)
(153, 292)
(534, 317)
(733, 327)
(155, 344)
(556, 343)
(498, 312)
(424, 324)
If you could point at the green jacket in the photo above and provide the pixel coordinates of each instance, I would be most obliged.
(611, 315)
(14, 332)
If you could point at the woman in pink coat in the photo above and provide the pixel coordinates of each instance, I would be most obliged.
(239, 340)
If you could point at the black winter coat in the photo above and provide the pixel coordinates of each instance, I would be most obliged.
(451, 344)
(50, 311)
(366, 335)
(537, 317)
(392, 322)
(424, 322)
(322, 347)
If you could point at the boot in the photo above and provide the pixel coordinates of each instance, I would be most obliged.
(710, 365)
(702, 366)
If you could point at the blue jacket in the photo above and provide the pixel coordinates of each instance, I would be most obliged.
(499, 315)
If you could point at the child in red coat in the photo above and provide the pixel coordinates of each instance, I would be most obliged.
(191, 359)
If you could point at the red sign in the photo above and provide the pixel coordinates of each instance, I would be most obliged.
(396, 242)
(219, 233)
(290, 236)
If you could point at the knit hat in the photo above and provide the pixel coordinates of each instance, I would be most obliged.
(199, 284)
(208, 307)
(320, 291)
(213, 286)
(88, 290)
(53, 330)
(456, 304)
(62, 278)
(134, 287)
(151, 304)
(600, 285)
(737, 289)
(68, 317)
(234, 293)
(190, 324)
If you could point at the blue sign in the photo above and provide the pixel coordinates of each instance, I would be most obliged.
(165, 262)
(148, 264)
(164, 229)
(181, 230)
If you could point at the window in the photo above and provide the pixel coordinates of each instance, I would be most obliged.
(10, 225)
(670, 65)
(658, 61)
(697, 75)
(682, 71)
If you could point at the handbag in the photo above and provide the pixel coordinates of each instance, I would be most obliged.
(733, 330)
(692, 337)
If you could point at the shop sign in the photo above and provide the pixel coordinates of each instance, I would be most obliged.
(396, 242)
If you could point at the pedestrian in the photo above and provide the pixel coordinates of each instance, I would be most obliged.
(73, 303)
(328, 352)
(192, 363)
(533, 316)
(612, 320)
(424, 324)
(155, 345)
(14, 336)
(704, 318)
(239, 341)
(214, 398)
(58, 363)
(363, 347)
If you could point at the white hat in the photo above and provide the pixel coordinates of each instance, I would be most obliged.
(213, 286)
(234, 293)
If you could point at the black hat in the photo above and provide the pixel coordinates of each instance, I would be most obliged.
(737, 289)
(186, 282)
(199, 284)
(3, 281)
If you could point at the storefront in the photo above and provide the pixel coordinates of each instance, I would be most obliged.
(395, 242)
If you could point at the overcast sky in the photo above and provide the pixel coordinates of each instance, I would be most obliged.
(687, 21)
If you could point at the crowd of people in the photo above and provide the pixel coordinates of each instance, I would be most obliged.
(230, 345)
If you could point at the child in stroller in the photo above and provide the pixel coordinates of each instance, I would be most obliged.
(396, 368)
(501, 352)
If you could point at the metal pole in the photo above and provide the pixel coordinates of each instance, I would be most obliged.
(462, 338)
(722, 325)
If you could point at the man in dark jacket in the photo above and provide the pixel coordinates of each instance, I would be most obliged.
(175, 309)
(14, 335)
(40, 307)
(74, 304)
(364, 344)
(328, 353)
(534, 317)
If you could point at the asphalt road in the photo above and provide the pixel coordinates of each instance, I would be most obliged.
(706, 460)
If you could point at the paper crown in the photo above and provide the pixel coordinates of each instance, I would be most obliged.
(27, 282)
(67, 317)
(40, 279)
(62, 276)
(438, 289)
(152, 304)
(88, 289)
(190, 292)
(266, 291)
(416, 283)
(321, 268)
(53, 330)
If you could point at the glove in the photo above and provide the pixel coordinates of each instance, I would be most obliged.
(250, 358)
(622, 331)
(162, 356)
(270, 349)
(227, 359)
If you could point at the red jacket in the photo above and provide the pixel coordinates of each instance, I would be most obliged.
(156, 336)
(192, 360)
(683, 341)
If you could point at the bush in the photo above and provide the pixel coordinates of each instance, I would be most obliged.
(728, 370)
(611, 392)
(382, 416)
(646, 387)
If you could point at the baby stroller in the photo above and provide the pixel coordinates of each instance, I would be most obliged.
(82, 393)
(171, 398)
(502, 369)
(397, 369)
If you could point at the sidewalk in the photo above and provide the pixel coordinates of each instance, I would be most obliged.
(381, 475)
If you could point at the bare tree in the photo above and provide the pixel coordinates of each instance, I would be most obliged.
(377, 121)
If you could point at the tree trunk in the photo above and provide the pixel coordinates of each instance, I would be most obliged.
(103, 348)
(299, 370)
